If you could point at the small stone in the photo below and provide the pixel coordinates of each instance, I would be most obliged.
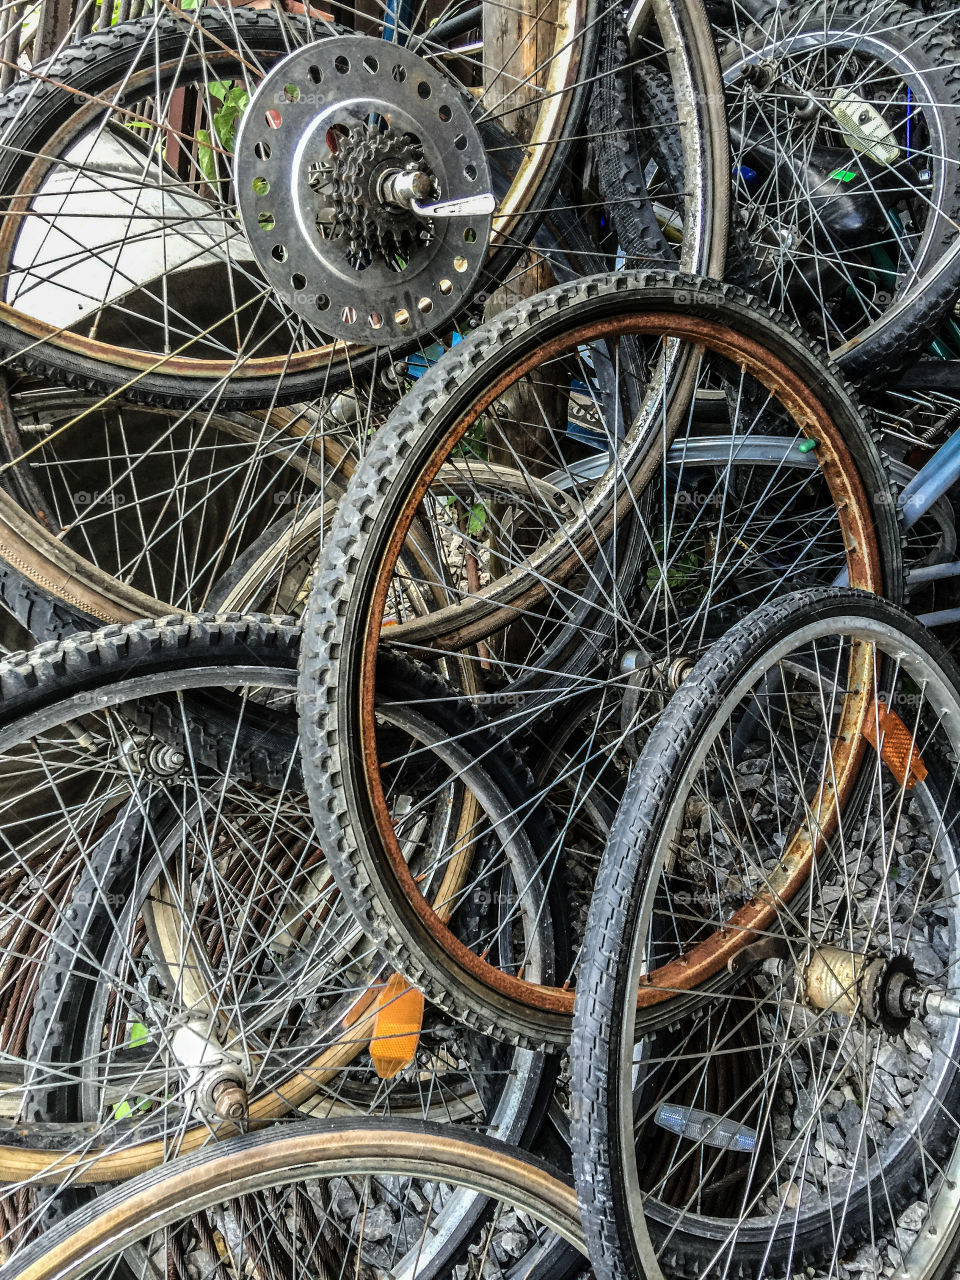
(513, 1244)
(805, 1109)
(891, 1059)
(343, 1202)
(831, 1134)
(414, 1200)
(376, 1224)
(750, 782)
(790, 1194)
(913, 1216)
(925, 958)
(918, 1041)
(850, 1119)
(832, 1154)
(906, 1087)
(905, 1240)
(867, 1260)
(782, 1128)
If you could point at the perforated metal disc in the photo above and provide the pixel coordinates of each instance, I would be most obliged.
(330, 103)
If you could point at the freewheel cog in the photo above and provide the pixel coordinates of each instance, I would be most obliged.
(364, 189)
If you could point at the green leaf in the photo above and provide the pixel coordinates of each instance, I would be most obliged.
(205, 157)
(139, 1035)
(225, 123)
(478, 520)
(235, 102)
(219, 88)
(122, 1110)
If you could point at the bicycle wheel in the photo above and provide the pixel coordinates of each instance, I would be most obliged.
(116, 156)
(202, 973)
(333, 1178)
(612, 563)
(141, 509)
(794, 1110)
(843, 136)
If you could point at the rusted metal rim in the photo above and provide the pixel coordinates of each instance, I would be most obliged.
(864, 568)
(460, 625)
(708, 958)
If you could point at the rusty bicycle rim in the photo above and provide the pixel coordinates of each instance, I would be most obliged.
(553, 563)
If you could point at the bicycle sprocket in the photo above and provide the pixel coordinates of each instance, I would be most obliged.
(340, 154)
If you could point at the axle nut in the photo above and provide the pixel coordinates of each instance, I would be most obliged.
(230, 1100)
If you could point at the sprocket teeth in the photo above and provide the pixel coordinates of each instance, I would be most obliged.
(359, 161)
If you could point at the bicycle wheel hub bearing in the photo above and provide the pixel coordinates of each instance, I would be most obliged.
(849, 982)
(348, 159)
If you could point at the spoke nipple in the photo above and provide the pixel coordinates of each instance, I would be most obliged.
(805, 446)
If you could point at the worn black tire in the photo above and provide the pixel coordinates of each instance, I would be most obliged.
(345, 580)
(621, 130)
(35, 680)
(597, 1121)
(615, 123)
(90, 664)
(655, 104)
(40, 611)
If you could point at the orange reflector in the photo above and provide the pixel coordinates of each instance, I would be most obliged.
(396, 1031)
(896, 745)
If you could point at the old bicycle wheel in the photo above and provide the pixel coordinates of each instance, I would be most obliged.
(843, 125)
(201, 971)
(125, 262)
(796, 1109)
(610, 576)
(304, 1199)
